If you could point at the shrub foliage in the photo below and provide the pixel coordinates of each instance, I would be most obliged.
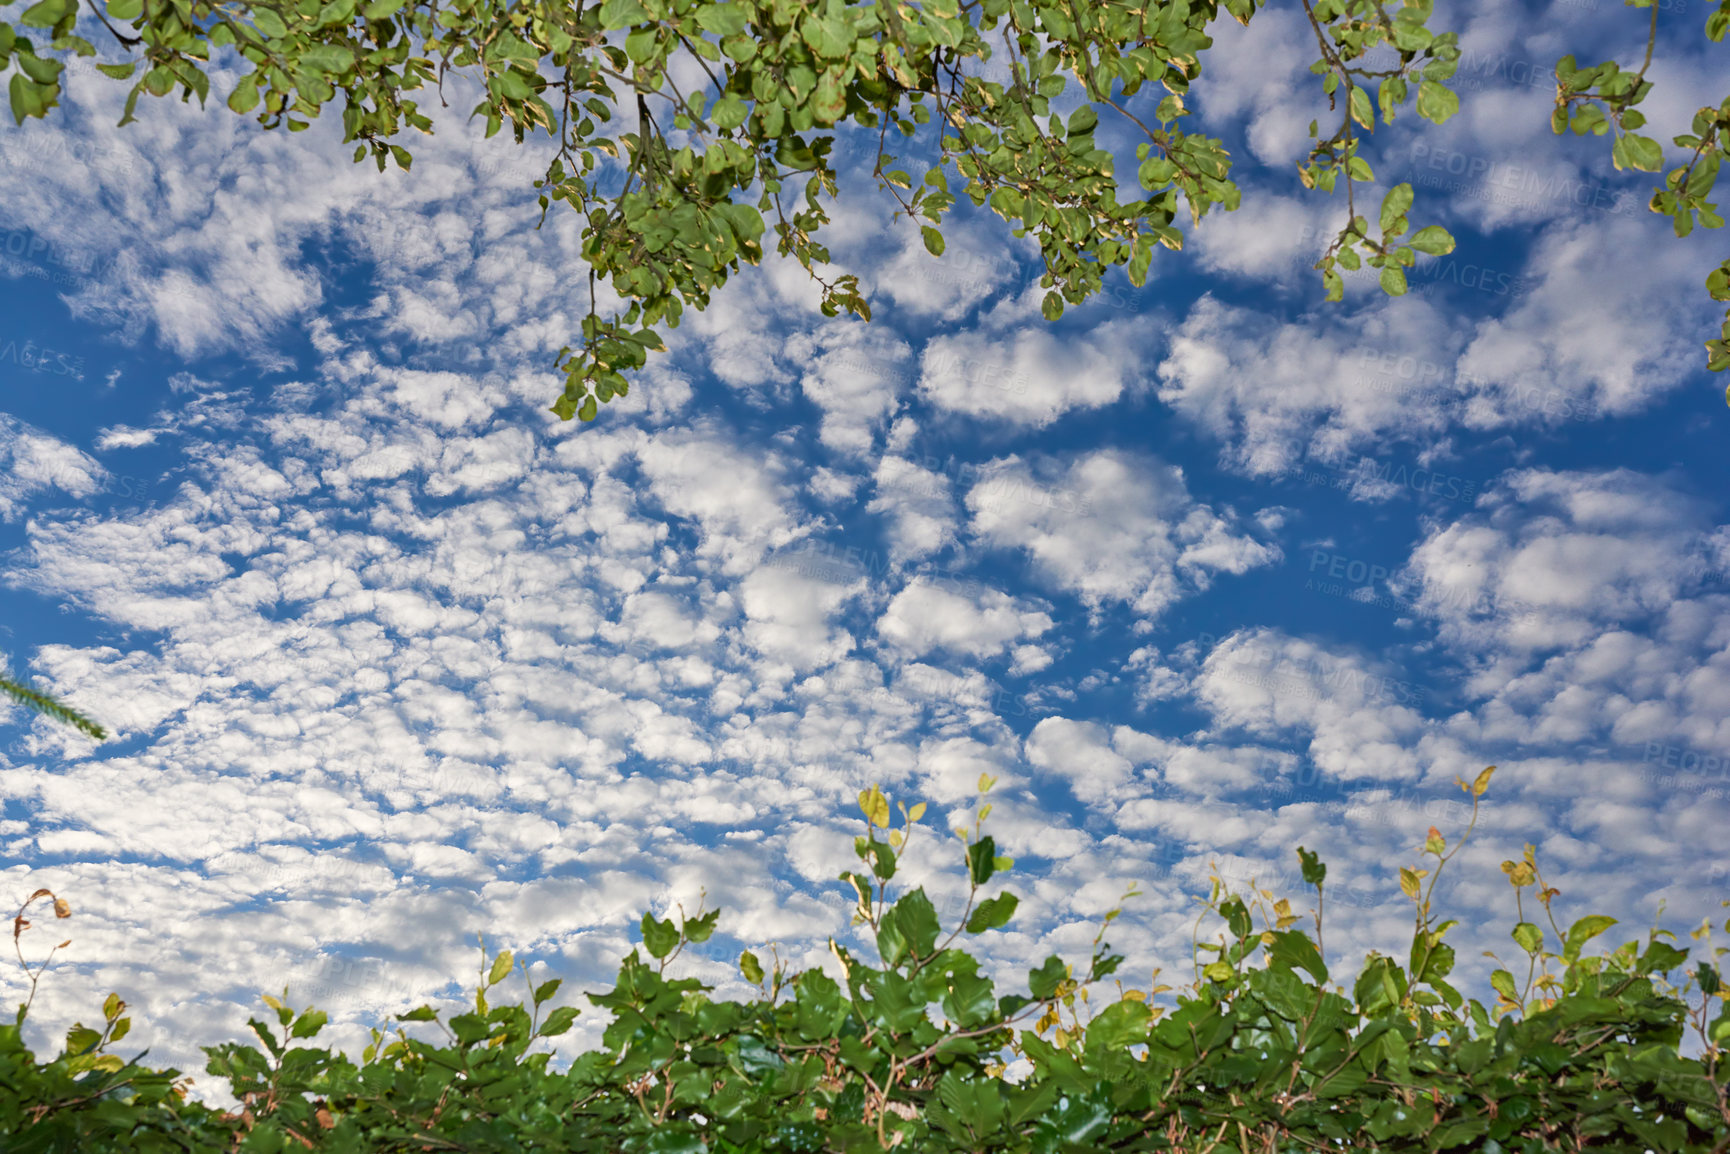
(1262, 1053)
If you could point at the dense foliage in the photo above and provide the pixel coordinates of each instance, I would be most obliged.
(783, 73)
(1261, 1053)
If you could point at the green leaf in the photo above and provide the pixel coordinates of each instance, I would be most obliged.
(1432, 239)
(729, 111)
(1584, 931)
(982, 860)
(1314, 872)
(975, 1105)
(1293, 948)
(993, 913)
(722, 19)
(751, 967)
(1052, 306)
(125, 9)
(1119, 1026)
(616, 14)
(47, 13)
(659, 937)
(329, 58)
(891, 943)
(269, 23)
(641, 44)
(244, 98)
(118, 71)
(30, 98)
(1362, 112)
(829, 102)
(917, 918)
(1503, 982)
(42, 69)
(933, 240)
(969, 1001)
(1043, 982)
(559, 1021)
(308, 1024)
(701, 929)
(755, 1059)
(1393, 281)
(81, 1040)
(827, 38)
(1661, 959)
(1395, 204)
(1642, 152)
(1236, 916)
(881, 855)
(1380, 987)
(1529, 936)
(1284, 992)
(1436, 102)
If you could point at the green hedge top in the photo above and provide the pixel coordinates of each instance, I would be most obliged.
(1261, 1054)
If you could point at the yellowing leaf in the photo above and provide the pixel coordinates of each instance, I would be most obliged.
(875, 806)
(916, 813)
(1519, 873)
(1483, 781)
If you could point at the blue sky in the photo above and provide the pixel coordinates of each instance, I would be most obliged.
(1205, 571)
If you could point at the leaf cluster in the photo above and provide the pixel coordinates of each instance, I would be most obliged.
(1262, 1052)
(781, 75)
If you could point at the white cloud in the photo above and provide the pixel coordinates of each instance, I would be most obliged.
(788, 617)
(1079, 753)
(33, 460)
(923, 617)
(1259, 73)
(1028, 375)
(1268, 238)
(1583, 343)
(1359, 714)
(854, 377)
(1278, 393)
(1112, 527)
(920, 507)
(741, 518)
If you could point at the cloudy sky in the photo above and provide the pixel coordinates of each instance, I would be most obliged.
(1205, 571)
